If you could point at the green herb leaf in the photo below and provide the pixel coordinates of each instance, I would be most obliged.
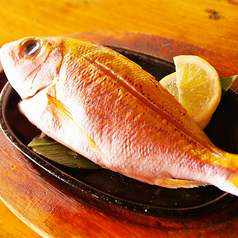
(60, 154)
(226, 83)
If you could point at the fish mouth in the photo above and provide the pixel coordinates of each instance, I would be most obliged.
(35, 93)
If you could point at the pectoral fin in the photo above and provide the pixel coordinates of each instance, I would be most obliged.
(61, 112)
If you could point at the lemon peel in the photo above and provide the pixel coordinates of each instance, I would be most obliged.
(196, 85)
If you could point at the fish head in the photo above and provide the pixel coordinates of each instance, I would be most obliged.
(32, 63)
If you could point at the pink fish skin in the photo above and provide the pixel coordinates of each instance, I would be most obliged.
(105, 107)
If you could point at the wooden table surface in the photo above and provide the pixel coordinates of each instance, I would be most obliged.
(211, 24)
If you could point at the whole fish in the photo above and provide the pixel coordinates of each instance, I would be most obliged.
(108, 109)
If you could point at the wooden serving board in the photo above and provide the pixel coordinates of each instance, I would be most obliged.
(54, 209)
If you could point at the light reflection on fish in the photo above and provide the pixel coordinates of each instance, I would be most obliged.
(105, 107)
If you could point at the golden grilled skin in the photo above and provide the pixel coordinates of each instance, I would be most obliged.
(105, 107)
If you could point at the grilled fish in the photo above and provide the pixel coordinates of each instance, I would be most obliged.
(108, 109)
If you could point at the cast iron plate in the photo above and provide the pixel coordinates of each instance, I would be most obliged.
(116, 188)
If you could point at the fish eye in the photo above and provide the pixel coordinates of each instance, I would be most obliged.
(31, 47)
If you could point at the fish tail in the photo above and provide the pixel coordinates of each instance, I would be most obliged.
(228, 181)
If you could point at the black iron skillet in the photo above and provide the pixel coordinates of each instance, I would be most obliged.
(116, 188)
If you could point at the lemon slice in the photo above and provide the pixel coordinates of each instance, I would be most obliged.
(196, 85)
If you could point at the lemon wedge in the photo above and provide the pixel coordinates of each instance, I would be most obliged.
(196, 85)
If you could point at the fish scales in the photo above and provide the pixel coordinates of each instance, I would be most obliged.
(109, 101)
(110, 110)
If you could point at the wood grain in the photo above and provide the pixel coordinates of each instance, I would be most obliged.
(210, 24)
(12, 226)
